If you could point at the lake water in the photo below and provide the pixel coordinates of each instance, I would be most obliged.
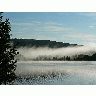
(56, 73)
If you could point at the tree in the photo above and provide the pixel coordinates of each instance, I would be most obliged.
(7, 53)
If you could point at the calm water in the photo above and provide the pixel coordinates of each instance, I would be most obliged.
(56, 73)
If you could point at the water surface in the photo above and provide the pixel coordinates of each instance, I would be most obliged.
(56, 73)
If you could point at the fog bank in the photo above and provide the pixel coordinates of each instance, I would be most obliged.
(33, 52)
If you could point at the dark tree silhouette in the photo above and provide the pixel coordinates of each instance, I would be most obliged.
(7, 53)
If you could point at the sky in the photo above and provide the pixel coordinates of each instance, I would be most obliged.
(69, 27)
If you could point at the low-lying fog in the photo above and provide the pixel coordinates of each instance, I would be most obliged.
(33, 52)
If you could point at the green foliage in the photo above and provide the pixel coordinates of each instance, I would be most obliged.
(7, 53)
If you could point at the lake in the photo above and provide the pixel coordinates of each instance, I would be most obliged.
(56, 73)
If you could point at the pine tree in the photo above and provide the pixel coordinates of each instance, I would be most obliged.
(7, 53)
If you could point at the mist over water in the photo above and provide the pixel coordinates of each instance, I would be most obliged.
(33, 52)
(56, 72)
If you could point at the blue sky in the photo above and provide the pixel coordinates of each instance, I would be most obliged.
(70, 27)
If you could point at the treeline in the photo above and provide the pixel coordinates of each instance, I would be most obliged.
(85, 58)
(41, 43)
(80, 57)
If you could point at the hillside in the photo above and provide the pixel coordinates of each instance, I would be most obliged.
(41, 43)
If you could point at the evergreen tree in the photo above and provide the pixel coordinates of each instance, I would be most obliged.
(7, 53)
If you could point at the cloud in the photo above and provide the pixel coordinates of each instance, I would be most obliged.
(36, 23)
(33, 23)
(91, 26)
(52, 23)
(82, 37)
(22, 24)
(54, 29)
(44, 26)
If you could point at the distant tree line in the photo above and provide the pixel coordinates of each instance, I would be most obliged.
(41, 43)
(85, 58)
(80, 57)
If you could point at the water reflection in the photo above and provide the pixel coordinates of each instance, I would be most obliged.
(56, 73)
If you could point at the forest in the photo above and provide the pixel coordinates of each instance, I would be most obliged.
(40, 43)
